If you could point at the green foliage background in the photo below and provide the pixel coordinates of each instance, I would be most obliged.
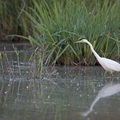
(54, 26)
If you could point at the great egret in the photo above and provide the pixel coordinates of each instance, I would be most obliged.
(107, 64)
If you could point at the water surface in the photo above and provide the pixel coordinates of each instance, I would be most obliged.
(70, 93)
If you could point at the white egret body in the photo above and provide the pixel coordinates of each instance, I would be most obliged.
(107, 64)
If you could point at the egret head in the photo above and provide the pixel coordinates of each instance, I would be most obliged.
(83, 40)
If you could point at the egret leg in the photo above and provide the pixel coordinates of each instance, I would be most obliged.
(112, 77)
(111, 74)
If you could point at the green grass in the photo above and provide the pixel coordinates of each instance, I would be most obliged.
(9, 12)
(54, 26)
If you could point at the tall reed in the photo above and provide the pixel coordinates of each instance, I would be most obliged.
(12, 19)
(56, 26)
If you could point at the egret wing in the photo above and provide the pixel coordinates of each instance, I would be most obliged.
(110, 65)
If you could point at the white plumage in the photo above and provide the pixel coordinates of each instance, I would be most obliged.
(107, 64)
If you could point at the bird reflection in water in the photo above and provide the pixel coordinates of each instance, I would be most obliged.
(107, 90)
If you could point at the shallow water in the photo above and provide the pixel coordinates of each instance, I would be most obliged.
(70, 93)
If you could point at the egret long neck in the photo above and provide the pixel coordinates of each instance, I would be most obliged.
(92, 49)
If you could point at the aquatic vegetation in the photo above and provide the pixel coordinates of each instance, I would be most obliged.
(53, 26)
(56, 26)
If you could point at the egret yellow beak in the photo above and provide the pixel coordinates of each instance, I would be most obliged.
(78, 42)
